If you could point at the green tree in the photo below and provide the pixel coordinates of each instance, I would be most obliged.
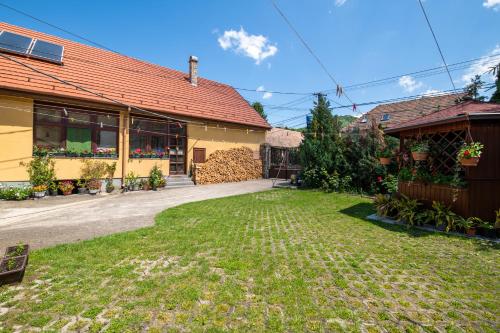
(495, 98)
(260, 109)
(322, 148)
(472, 89)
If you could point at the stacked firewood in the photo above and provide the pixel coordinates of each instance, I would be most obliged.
(233, 165)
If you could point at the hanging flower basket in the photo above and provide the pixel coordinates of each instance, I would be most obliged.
(420, 151)
(384, 156)
(384, 160)
(469, 154)
(419, 156)
(469, 162)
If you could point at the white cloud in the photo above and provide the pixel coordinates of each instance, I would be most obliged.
(481, 66)
(339, 3)
(257, 47)
(431, 91)
(266, 94)
(495, 4)
(409, 84)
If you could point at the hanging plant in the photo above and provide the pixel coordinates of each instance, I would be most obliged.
(470, 153)
(420, 151)
(384, 156)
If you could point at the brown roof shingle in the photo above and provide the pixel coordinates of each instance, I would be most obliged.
(466, 108)
(127, 80)
(401, 112)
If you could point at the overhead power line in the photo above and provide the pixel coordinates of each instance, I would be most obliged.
(349, 87)
(299, 36)
(437, 43)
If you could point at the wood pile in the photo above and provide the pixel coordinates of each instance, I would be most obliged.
(233, 165)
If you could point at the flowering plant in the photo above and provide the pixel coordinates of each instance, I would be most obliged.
(94, 184)
(66, 186)
(40, 188)
(470, 150)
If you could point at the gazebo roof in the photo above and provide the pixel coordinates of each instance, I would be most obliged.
(459, 112)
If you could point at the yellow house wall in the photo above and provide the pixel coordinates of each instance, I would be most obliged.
(142, 167)
(213, 139)
(16, 137)
(16, 144)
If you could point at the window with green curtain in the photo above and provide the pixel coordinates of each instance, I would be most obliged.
(79, 140)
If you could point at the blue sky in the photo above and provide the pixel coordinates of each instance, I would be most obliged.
(248, 45)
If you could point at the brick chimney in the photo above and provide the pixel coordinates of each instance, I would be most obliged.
(193, 70)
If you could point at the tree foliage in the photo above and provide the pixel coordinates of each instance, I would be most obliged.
(322, 146)
(260, 109)
(330, 159)
(495, 98)
(472, 90)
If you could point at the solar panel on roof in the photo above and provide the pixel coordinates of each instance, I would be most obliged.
(14, 42)
(46, 50)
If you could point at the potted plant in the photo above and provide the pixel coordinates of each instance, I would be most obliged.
(156, 179)
(12, 269)
(420, 151)
(53, 191)
(132, 182)
(66, 187)
(94, 186)
(39, 191)
(81, 184)
(470, 153)
(136, 153)
(110, 171)
(17, 250)
(384, 156)
(145, 184)
(471, 224)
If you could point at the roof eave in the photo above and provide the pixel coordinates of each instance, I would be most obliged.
(478, 116)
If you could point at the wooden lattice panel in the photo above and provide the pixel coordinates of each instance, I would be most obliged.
(444, 147)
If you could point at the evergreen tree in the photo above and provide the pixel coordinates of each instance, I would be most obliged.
(472, 89)
(495, 98)
(260, 109)
(321, 148)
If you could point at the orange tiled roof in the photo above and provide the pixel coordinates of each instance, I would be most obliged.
(126, 79)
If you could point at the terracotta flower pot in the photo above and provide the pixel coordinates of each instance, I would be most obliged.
(471, 232)
(384, 160)
(469, 162)
(419, 156)
(67, 193)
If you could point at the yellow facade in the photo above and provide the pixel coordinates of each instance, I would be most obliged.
(16, 144)
(214, 138)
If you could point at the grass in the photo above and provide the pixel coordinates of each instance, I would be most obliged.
(272, 261)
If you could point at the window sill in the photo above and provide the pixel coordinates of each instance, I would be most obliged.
(113, 157)
(148, 158)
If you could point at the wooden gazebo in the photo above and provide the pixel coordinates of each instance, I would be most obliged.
(446, 131)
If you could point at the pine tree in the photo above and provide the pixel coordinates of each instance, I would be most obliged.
(260, 109)
(322, 146)
(495, 98)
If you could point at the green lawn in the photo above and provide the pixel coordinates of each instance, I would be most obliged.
(273, 261)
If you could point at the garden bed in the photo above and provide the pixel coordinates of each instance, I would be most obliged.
(457, 198)
(431, 228)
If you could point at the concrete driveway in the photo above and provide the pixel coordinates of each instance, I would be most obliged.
(52, 221)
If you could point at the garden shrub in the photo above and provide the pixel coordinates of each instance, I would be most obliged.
(156, 177)
(15, 193)
(41, 170)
